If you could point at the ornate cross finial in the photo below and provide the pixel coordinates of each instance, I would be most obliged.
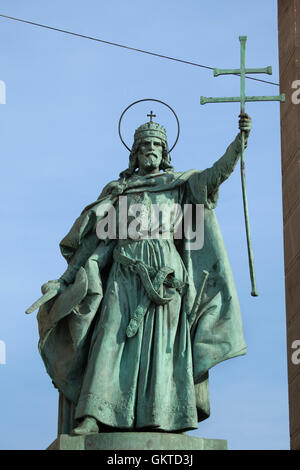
(151, 115)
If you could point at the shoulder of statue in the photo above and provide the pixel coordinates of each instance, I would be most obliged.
(183, 176)
(111, 186)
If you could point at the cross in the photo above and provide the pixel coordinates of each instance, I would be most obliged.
(151, 115)
(242, 99)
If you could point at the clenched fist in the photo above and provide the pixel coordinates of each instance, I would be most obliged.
(245, 123)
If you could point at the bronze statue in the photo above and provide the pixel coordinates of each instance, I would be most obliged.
(129, 332)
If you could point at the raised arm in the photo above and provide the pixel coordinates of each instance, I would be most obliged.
(223, 167)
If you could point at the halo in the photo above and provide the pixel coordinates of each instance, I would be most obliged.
(157, 101)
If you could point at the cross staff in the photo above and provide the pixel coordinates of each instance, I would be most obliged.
(242, 99)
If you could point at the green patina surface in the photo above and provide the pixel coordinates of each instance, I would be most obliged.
(129, 332)
(136, 441)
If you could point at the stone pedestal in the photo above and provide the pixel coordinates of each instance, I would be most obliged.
(136, 441)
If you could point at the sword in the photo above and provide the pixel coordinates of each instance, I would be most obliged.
(42, 300)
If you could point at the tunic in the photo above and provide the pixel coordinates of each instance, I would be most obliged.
(145, 381)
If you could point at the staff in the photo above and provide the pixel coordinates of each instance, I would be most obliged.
(242, 99)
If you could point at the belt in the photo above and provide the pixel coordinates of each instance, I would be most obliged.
(160, 237)
(152, 280)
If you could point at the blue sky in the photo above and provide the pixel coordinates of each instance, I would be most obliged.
(60, 146)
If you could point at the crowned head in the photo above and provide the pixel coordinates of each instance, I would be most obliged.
(149, 152)
(150, 129)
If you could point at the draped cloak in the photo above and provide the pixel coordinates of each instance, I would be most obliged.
(67, 322)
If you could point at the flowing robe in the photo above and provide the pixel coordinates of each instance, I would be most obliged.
(158, 378)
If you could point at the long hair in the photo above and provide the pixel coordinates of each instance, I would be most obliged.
(165, 164)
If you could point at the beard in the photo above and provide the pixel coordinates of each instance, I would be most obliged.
(152, 161)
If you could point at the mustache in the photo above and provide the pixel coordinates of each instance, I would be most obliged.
(151, 153)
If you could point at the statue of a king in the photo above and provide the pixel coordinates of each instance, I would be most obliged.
(137, 320)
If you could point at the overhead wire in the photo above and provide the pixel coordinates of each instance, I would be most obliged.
(92, 38)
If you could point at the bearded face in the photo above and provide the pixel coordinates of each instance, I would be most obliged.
(149, 155)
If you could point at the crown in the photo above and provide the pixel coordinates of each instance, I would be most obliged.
(150, 129)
